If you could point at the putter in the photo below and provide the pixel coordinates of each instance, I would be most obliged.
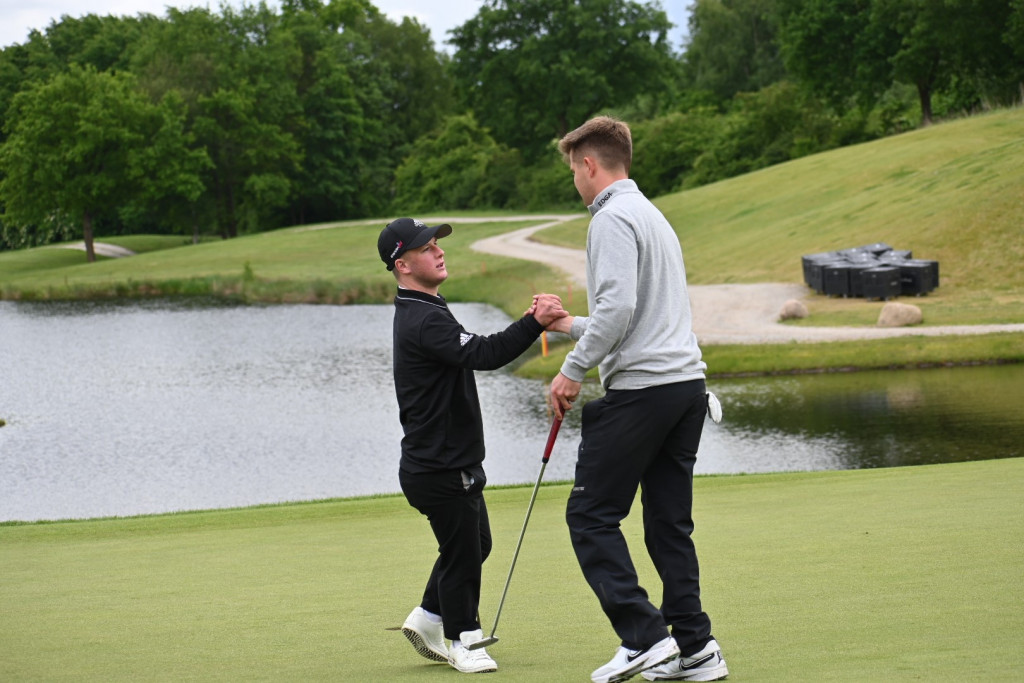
(492, 639)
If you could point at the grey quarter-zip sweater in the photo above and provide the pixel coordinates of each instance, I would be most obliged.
(639, 333)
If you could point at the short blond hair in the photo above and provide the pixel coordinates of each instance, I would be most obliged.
(602, 137)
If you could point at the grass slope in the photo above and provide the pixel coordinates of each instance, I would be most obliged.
(333, 263)
(889, 574)
(951, 192)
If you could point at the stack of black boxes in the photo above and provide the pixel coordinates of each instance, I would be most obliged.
(874, 271)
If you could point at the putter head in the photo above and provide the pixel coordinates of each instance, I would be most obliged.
(486, 642)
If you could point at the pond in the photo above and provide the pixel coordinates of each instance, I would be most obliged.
(116, 409)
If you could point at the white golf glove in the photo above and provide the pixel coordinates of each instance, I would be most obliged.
(714, 408)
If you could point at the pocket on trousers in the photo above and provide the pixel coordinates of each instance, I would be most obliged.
(473, 480)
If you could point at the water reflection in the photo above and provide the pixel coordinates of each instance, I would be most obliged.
(117, 409)
(890, 418)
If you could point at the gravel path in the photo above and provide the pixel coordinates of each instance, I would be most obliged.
(722, 314)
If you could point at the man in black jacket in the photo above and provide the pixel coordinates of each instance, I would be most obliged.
(441, 468)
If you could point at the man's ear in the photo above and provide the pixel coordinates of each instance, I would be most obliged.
(401, 266)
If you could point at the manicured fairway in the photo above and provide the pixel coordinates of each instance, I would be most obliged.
(890, 574)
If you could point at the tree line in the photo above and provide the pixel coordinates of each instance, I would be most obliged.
(226, 122)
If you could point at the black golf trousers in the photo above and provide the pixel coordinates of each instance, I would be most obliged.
(454, 504)
(647, 438)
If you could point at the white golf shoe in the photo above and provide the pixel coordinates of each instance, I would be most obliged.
(470, 661)
(425, 635)
(628, 663)
(706, 665)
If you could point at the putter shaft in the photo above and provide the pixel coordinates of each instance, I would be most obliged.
(490, 640)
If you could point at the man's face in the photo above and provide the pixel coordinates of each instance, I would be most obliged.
(424, 265)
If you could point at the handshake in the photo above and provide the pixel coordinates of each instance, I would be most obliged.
(547, 310)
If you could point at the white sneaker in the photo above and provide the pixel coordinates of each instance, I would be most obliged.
(470, 661)
(628, 663)
(706, 665)
(426, 636)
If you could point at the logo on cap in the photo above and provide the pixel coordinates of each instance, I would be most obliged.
(398, 248)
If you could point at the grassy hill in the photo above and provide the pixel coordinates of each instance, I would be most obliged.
(333, 263)
(953, 192)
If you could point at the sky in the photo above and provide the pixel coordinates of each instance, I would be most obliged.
(18, 17)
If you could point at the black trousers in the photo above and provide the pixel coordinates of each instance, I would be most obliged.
(646, 438)
(454, 504)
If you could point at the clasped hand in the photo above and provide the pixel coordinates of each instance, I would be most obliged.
(546, 309)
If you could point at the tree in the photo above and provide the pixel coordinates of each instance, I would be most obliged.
(957, 49)
(857, 49)
(86, 145)
(665, 148)
(368, 88)
(531, 70)
(236, 74)
(826, 45)
(103, 42)
(455, 168)
(732, 47)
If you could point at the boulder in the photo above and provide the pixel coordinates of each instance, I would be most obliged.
(793, 309)
(899, 315)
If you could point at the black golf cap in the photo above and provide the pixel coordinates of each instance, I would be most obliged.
(403, 234)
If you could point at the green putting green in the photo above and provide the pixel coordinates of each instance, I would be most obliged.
(889, 574)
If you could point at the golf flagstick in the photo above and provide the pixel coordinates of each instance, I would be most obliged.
(552, 435)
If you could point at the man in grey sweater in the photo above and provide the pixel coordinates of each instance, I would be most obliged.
(645, 431)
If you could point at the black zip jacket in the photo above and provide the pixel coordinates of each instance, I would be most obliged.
(434, 360)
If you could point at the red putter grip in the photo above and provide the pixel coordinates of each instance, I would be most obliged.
(552, 435)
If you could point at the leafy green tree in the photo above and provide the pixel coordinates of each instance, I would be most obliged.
(236, 75)
(418, 91)
(926, 49)
(103, 42)
(826, 45)
(545, 185)
(84, 145)
(335, 136)
(666, 148)
(857, 49)
(732, 47)
(966, 63)
(455, 168)
(1014, 36)
(250, 128)
(369, 87)
(531, 70)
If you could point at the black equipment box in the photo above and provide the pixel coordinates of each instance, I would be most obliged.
(881, 282)
(837, 279)
(918, 277)
(868, 270)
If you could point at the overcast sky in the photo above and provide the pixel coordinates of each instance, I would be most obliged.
(18, 17)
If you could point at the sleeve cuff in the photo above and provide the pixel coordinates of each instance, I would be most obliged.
(535, 327)
(573, 371)
(579, 326)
